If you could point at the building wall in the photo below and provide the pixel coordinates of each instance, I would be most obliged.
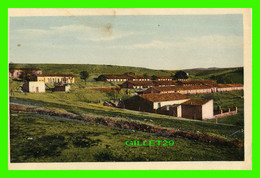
(141, 79)
(53, 79)
(116, 80)
(192, 112)
(67, 88)
(164, 103)
(179, 111)
(17, 72)
(138, 104)
(208, 110)
(164, 79)
(150, 90)
(127, 85)
(130, 85)
(34, 85)
(229, 89)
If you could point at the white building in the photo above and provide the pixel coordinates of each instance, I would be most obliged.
(34, 87)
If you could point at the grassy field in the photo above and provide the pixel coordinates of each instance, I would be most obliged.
(83, 101)
(37, 138)
(229, 75)
(32, 132)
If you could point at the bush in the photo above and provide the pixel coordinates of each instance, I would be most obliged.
(107, 155)
(45, 146)
(84, 142)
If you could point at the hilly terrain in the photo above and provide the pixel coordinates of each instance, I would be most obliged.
(226, 75)
(93, 70)
(222, 75)
(83, 141)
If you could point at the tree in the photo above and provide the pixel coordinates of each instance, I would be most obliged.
(84, 76)
(26, 74)
(154, 77)
(145, 75)
(181, 75)
(172, 75)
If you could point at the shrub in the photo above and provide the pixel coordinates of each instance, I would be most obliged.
(45, 146)
(84, 142)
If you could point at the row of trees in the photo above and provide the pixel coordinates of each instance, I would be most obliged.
(178, 75)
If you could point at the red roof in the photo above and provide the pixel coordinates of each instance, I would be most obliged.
(163, 97)
(172, 82)
(141, 83)
(55, 75)
(196, 102)
(229, 85)
(176, 88)
(198, 82)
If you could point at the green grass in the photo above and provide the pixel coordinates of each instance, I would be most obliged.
(86, 101)
(37, 138)
(206, 127)
(93, 70)
(77, 141)
(229, 75)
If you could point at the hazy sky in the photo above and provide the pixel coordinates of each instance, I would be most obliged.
(158, 42)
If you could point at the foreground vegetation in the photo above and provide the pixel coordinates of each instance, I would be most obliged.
(66, 101)
(38, 138)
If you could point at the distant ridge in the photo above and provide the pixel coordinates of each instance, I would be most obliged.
(213, 68)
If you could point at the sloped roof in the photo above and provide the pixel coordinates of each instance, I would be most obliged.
(156, 97)
(141, 83)
(55, 75)
(172, 82)
(198, 82)
(229, 85)
(197, 102)
(176, 88)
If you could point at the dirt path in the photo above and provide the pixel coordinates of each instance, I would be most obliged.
(130, 125)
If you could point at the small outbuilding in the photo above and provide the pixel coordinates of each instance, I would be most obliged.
(34, 87)
(65, 88)
(198, 109)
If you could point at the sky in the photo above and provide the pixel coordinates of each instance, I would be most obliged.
(155, 41)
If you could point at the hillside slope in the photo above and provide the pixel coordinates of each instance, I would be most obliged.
(94, 70)
(228, 75)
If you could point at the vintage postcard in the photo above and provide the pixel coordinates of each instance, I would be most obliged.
(130, 89)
